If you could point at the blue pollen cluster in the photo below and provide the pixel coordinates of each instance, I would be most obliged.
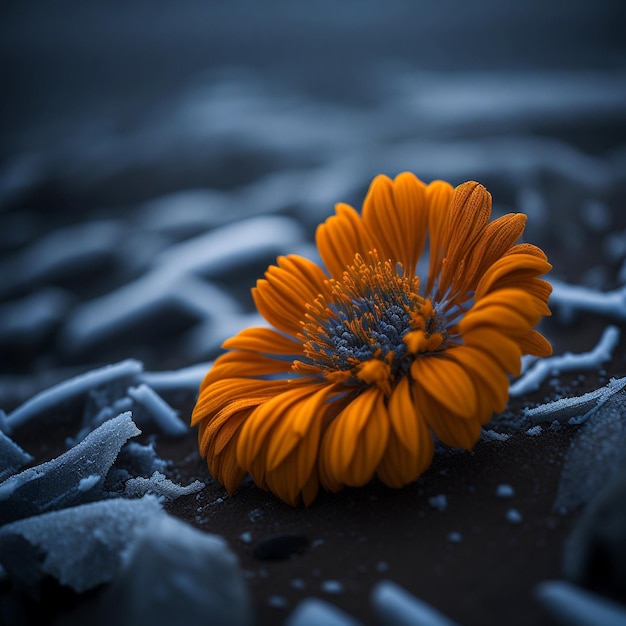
(338, 346)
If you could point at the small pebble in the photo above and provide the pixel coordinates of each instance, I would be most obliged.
(534, 431)
(455, 537)
(504, 491)
(279, 547)
(513, 516)
(246, 537)
(278, 602)
(332, 586)
(297, 583)
(439, 502)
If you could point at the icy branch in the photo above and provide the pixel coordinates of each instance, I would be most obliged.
(570, 298)
(567, 362)
(69, 389)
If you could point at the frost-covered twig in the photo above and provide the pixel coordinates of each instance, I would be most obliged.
(569, 298)
(69, 389)
(186, 379)
(577, 407)
(567, 362)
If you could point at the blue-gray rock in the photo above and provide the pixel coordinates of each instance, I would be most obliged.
(176, 574)
(595, 554)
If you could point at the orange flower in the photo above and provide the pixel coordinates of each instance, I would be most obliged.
(366, 363)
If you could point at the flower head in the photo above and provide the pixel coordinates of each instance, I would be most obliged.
(370, 359)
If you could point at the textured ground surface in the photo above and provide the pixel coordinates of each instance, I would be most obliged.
(127, 143)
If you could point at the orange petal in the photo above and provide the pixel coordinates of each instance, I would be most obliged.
(340, 238)
(396, 213)
(512, 311)
(438, 196)
(260, 426)
(355, 441)
(221, 393)
(410, 446)
(535, 343)
(496, 239)
(217, 442)
(470, 210)
(300, 427)
(490, 379)
(263, 340)
(282, 296)
(450, 429)
(243, 364)
(503, 350)
(509, 269)
(446, 383)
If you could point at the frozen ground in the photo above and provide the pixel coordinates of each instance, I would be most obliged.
(149, 172)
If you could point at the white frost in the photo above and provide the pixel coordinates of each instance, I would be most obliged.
(159, 485)
(86, 483)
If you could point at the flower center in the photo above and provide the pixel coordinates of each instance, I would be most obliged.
(371, 327)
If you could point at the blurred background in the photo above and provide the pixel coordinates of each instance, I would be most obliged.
(155, 157)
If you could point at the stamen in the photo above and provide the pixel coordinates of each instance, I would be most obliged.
(372, 316)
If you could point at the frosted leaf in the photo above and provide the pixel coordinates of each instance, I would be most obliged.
(12, 457)
(397, 607)
(313, 612)
(176, 574)
(57, 483)
(573, 605)
(81, 546)
(595, 454)
(70, 389)
(161, 486)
